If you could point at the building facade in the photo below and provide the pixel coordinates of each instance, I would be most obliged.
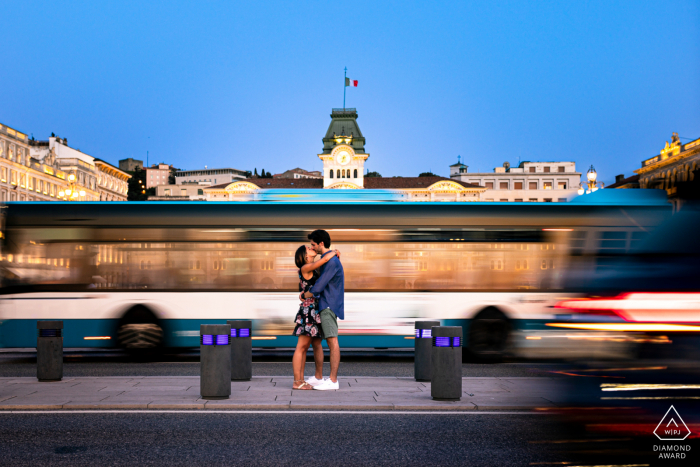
(130, 165)
(184, 192)
(209, 176)
(112, 183)
(24, 177)
(530, 181)
(673, 165)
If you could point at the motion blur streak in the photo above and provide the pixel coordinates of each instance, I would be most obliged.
(644, 307)
(644, 387)
(627, 327)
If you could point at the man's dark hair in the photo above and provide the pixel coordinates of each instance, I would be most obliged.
(320, 236)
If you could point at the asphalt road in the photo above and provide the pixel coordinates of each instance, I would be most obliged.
(265, 363)
(279, 439)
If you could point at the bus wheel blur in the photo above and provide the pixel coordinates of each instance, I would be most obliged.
(139, 330)
(489, 332)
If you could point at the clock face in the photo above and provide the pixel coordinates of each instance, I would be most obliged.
(343, 157)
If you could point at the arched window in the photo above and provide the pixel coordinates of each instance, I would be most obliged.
(337, 173)
(344, 174)
(355, 174)
(331, 174)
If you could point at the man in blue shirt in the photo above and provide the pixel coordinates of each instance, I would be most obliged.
(329, 289)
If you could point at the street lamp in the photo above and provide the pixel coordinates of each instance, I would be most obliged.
(72, 192)
(590, 185)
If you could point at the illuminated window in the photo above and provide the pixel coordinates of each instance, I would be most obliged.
(544, 264)
(4, 174)
(561, 185)
(13, 177)
(547, 185)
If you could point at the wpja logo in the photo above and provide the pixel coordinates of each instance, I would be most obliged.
(672, 428)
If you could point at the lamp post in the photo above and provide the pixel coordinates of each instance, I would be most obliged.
(591, 184)
(72, 193)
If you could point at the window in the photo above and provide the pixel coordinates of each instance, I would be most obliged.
(21, 180)
(519, 200)
(183, 192)
(543, 265)
(562, 200)
(548, 200)
(503, 200)
(547, 185)
(13, 177)
(40, 186)
(355, 174)
(561, 185)
(337, 173)
(200, 192)
(503, 185)
(518, 186)
(4, 174)
(561, 169)
(331, 173)
(546, 170)
(167, 192)
(32, 182)
(532, 170)
(534, 200)
(266, 265)
(532, 185)
(489, 185)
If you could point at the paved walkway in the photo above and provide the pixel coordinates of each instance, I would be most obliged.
(356, 393)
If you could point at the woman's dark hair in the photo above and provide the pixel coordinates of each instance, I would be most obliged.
(300, 256)
(320, 236)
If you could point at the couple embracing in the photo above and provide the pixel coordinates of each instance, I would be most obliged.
(322, 287)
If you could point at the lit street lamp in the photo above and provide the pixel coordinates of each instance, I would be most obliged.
(590, 185)
(72, 193)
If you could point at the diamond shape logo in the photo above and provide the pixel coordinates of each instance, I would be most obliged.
(672, 427)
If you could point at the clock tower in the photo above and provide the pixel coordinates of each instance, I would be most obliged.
(343, 153)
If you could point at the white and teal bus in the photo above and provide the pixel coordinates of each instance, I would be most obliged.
(145, 275)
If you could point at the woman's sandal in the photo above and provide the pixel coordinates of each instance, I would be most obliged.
(304, 387)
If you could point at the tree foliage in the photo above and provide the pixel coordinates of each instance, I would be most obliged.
(373, 174)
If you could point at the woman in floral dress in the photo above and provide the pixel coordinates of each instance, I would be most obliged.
(307, 321)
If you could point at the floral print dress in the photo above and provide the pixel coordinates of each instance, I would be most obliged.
(308, 321)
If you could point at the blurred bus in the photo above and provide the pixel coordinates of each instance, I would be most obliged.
(140, 275)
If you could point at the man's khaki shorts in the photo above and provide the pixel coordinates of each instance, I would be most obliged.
(329, 323)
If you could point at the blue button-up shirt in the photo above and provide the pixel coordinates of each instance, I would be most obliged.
(330, 287)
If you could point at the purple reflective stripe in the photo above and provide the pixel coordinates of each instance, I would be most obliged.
(456, 342)
(233, 333)
(207, 339)
(418, 333)
(427, 333)
(244, 332)
(442, 342)
(221, 339)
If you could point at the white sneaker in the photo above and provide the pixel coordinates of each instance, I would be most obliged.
(327, 385)
(315, 382)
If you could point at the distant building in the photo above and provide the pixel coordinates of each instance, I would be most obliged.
(210, 176)
(157, 174)
(530, 181)
(184, 192)
(622, 182)
(299, 173)
(130, 165)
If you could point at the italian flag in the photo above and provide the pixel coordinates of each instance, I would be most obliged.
(351, 82)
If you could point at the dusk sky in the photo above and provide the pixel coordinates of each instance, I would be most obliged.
(252, 84)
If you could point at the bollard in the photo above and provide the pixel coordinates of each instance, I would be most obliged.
(424, 347)
(49, 350)
(215, 361)
(241, 350)
(446, 358)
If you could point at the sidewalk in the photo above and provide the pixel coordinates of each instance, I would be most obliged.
(356, 393)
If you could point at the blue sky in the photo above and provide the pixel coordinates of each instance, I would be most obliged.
(252, 84)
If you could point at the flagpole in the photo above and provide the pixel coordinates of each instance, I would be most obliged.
(344, 86)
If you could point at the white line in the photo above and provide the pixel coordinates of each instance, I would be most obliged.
(276, 412)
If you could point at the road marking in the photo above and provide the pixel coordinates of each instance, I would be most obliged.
(275, 412)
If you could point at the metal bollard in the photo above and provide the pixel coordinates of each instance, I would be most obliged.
(49, 350)
(424, 347)
(241, 350)
(446, 383)
(215, 361)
